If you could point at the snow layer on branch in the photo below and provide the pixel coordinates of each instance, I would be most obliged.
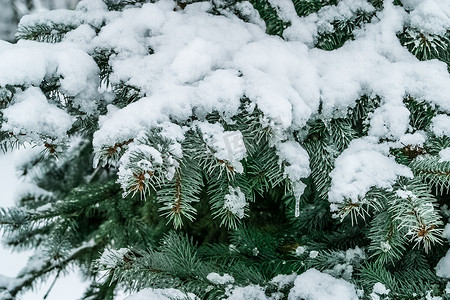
(296, 165)
(31, 114)
(363, 165)
(202, 63)
(443, 266)
(314, 285)
(227, 145)
(344, 10)
(446, 232)
(211, 62)
(379, 289)
(389, 121)
(441, 125)
(350, 258)
(250, 292)
(416, 138)
(28, 63)
(306, 29)
(376, 63)
(284, 86)
(218, 279)
(444, 155)
(282, 281)
(93, 12)
(430, 16)
(235, 202)
(246, 9)
(161, 294)
(296, 160)
(147, 160)
(110, 257)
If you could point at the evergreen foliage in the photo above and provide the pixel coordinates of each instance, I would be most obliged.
(163, 211)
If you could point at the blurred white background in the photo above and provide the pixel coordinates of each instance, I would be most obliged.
(69, 287)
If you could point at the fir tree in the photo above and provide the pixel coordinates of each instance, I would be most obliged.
(228, 148)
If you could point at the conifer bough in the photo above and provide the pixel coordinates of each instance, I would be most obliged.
(262, 149)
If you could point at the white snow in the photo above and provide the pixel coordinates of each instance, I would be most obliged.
(379, 289)
(429, 297)
(296, 161)
(250, 292)
(443, 266)
(33, 115)
(354, 254)
(430, 16)
(345, 269)
(446, 232)
(405, 194)
(295, 79)
(363, 165)
(389, 121)
(416, 139)
(248, 11)
(203, 63)
(235, 202)
(141, 158)
(282, 281)
(227, 145)
(441, 125)
(444, 155)
(92, 12)
(300, 250)
(220, 279)
(28, 63)
(313, 254)
(314, 285)
(307, 29)
(110, 257)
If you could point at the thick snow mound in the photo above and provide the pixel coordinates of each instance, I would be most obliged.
(315, 285)
(250, 292)
(363, 165)
(443, 266)
(33, 114)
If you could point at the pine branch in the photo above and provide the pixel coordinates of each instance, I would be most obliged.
(178, 195)
(306, 7)
(415, 209)
(431, 170)
(421, 113)
(47, 33)
(387, 242)
(121, 5)
(423, 45)
(274, 25)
